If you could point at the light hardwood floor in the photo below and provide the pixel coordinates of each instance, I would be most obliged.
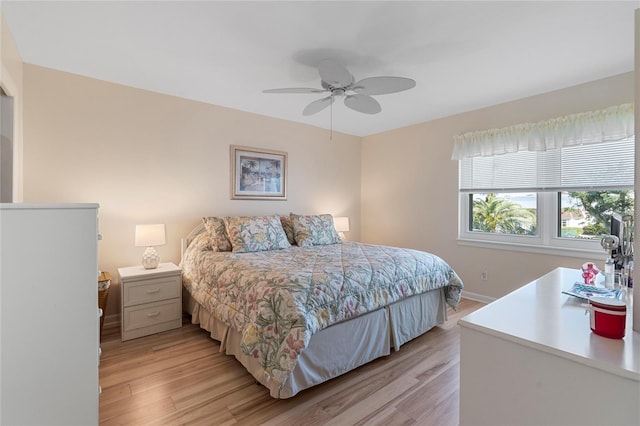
(179, 377)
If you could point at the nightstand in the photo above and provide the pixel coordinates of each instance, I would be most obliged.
(151, 300)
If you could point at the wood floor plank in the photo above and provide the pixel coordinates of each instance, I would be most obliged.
(143, 367)
(389, 416)
(446, 413)
(136, 410)
(431, 393)
(361, 410)
(217, 386)
(211, 412)
(115, 393)
(179, 377)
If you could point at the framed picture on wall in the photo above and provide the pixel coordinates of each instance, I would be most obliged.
(258, 174)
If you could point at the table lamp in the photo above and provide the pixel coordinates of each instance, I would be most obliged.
(150, 236)
(342, 225)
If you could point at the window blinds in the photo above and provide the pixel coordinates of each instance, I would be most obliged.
(595, 167)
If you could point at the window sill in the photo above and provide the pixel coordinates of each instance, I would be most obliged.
(531, 248)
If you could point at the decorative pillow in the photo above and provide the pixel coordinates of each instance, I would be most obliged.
(288, 229)
(256, 233)
(202, 242)
(314, 230)
(217, 233)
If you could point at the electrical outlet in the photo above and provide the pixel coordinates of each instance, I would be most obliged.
(484, 275)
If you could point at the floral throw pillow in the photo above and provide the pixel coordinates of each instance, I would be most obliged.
(217, 233)
(288, 229)
(256, 233)
(314, 230)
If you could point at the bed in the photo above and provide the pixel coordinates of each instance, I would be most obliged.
(296, 315)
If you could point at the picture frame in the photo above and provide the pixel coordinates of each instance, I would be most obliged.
(258, 174)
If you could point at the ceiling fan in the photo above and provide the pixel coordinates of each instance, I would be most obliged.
(338, 82)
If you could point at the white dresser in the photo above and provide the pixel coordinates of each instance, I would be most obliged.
(151, 300)
(531, 358)
(49, 314)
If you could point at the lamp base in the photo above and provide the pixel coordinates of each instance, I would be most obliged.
(150, 258)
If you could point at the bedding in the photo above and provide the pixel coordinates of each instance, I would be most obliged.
(314, 230)
(255, 233)
(216, 233)
(277, 300)
(287, 227)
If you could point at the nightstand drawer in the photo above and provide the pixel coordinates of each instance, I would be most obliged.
(145, 291)
(151, 300)
(147, 317)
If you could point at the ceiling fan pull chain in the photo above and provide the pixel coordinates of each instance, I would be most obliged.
(331, 122)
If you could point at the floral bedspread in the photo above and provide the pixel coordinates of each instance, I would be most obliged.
(278, 299)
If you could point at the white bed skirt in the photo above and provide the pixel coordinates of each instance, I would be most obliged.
(339, 348)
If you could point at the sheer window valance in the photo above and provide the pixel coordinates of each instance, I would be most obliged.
(606, 125)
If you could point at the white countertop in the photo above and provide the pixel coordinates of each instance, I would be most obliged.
(540, 316)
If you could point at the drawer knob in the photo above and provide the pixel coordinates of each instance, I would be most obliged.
(153, 314)
(155, 290)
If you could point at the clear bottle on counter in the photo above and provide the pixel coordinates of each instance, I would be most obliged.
(609, 273)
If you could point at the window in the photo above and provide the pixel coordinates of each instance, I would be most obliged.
(555, 198)
(587, 214)
(504, 213)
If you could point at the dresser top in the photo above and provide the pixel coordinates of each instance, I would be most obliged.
(47, 206)
(540, 316)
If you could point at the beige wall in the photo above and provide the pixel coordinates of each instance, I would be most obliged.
(410, 184)
(147, 157)
(152, 158)
(11, 83)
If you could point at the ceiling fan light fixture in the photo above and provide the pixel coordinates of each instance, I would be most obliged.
(337, 80)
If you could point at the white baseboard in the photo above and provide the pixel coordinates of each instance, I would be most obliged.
(478, 297)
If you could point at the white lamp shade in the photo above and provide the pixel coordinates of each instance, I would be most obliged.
(341, 223)
(150, 235)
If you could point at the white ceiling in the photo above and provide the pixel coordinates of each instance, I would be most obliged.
(463, 55)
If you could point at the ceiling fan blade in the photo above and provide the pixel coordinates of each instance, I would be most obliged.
(295, 90)
(334, 73)
(383, 85)
(363, 103)
(317, 106)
